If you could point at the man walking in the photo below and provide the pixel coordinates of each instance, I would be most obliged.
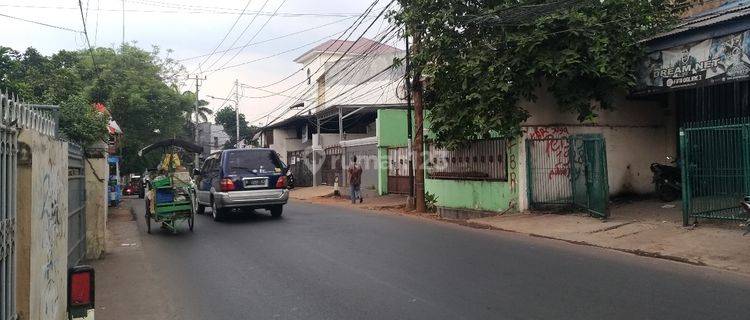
(355, 179)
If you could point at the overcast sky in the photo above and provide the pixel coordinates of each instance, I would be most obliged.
(192, 28)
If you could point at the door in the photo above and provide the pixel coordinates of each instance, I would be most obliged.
(398, 170)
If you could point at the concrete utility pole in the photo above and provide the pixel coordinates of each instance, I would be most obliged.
(237, 112)
(197, 79)
(416, 87)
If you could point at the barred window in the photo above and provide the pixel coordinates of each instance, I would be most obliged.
(480, 160)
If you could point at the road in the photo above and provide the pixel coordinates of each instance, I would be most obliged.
(322, 262)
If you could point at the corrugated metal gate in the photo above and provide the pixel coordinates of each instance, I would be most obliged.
(331, 167)
(568, 172)
(76, 205)
(300, 164)
(715, 169)
(8, 176)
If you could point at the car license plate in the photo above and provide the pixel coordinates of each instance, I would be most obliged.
(255, 182)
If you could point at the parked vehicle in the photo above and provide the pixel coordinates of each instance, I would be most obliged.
(745, 205)
(133, 186)
(242, 178)
(667, 180)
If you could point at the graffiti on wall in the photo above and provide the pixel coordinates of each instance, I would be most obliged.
(556, 148)
(52, 237)
(512, 172)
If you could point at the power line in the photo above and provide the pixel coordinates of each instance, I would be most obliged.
(354, 25)
(253, 38)
(85, 33)
(273, 55)
(202, 12)
(270, 39)
(225, 35)
(240, 35)
(333, 76)
(96, 28)
(40, 23)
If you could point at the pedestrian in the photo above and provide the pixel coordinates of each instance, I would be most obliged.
(355, 179)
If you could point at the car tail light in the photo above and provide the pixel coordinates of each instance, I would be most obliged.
(226, 184)
(80, 290)
(281, 182)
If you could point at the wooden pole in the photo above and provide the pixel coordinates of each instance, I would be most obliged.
(417, 93)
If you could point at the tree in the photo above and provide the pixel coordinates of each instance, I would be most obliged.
(140, 88)
(226, 118)
(481, 58)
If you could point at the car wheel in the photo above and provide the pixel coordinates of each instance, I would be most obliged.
(277, 210)
(216, 213)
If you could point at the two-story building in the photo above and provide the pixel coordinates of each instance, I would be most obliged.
(347, 83)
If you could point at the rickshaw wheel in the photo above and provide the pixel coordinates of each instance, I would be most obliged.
(191, 222)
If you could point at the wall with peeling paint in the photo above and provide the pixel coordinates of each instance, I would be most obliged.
(636, 133)
(43, 248)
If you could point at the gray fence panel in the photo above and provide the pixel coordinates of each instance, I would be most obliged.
(76, 205)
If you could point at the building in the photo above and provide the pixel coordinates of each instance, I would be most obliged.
(691, 103)
(347, 84)
(211, 137)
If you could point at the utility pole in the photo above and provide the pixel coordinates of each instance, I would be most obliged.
(416, 87)
(197, 79)
(407, 82)
(237, 111)
(123, 24)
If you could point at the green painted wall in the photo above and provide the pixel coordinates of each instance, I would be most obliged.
(392, 132)
(383, 171)
(496, 196)
(391, 128)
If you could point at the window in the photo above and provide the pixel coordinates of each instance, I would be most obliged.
(248, 161)
(216, 142)
(480, 160)
(308, 76)
(321, 90)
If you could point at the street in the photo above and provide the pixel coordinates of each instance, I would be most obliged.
(321, 262)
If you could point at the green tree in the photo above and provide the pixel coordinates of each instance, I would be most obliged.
(481, 58)
(226, 118)
(140, 88)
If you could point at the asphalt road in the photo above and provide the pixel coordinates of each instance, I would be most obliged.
(321, 262)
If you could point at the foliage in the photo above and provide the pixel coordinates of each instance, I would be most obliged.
(430, 200)
(81, 123)
(226, 118)
(139, 88)
(482, 58)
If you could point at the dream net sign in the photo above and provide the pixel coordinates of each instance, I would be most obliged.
(699, 63)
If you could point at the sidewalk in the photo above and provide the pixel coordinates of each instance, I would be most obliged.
(324, 195)
(125, 283)
(716, 244)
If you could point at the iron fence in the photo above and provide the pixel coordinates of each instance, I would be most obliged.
(568, 172)
(482, 159)
(14, 115)
(715, 162)
(76, 205)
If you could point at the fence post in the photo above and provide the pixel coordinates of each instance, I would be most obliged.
(686, 200)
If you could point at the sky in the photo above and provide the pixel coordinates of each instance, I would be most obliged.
(192, 28)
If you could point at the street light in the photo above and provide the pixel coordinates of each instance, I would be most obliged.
(236, 117)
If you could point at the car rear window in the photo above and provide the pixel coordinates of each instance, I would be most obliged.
(253, 161)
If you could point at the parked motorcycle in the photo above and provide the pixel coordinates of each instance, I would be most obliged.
(745, 204)
(667, 180)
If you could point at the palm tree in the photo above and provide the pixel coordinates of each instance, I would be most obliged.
(201, 115)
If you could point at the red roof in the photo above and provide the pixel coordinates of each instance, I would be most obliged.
(359, 47)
